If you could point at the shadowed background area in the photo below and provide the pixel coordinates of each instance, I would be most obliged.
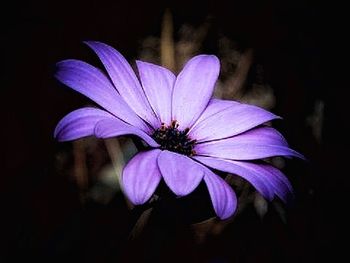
(46, 213)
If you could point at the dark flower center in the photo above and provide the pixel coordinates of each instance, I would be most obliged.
(170, 138)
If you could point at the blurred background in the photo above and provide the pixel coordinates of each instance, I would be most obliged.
(62, 201)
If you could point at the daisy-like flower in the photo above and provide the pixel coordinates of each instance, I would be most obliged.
(189, 134)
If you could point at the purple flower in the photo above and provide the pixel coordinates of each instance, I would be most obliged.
(188, 132)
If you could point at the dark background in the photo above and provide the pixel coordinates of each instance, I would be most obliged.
(41, 216)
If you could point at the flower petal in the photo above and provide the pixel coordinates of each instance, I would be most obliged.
(141, 176)
(193, 89)
(280, 184)
(80, 123)
(286, 193)
(258, 143)
(114, 127)
(180, 173)
(125, 80)
(92, 83)
(217, 124)
(283, 188)
(158, 85)
(263, 187)
(214, 106)
(222, 196)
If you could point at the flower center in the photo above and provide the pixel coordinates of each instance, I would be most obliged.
(170, 138)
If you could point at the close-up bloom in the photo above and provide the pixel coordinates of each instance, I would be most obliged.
(189, 135)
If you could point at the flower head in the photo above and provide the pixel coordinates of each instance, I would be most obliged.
(189, 133)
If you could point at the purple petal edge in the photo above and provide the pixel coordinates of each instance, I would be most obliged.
(113, 127)
(220, 121)
(193, 89)
(92, 83)
(180, 173)
(124, 80)
(141, 176)
(80, 123)
(223, 197)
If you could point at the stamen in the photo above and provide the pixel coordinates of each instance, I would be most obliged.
(172, 139)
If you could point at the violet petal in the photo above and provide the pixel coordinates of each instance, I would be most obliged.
(281, 186)
(263, 187)
(258, 143)
(180, 173)
(214, 106)
(114, 127)
(80, 123)
(92, 83)
(141, 176)
(193, 89)
(230, 121)
(222, 196)
(158, 85)
(125, 80)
